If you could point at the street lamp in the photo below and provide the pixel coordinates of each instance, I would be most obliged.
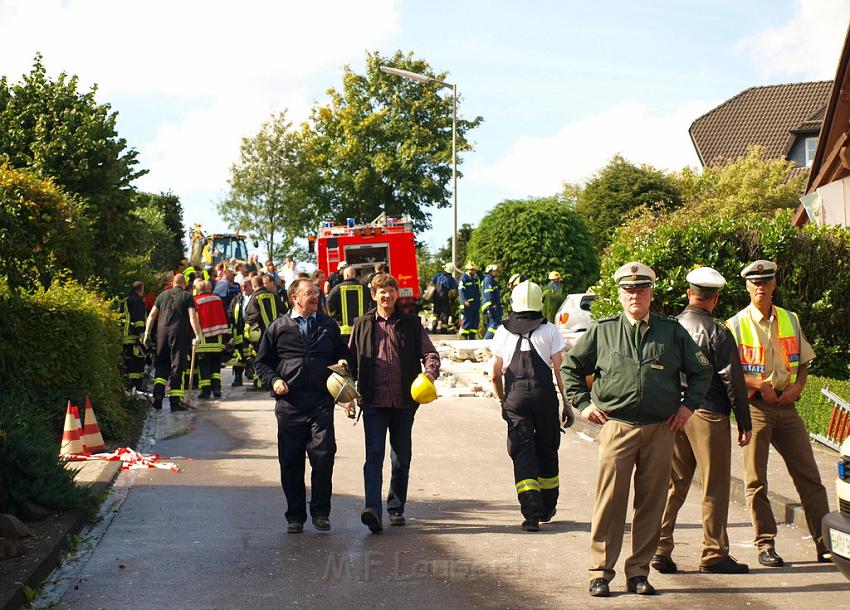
(427, 79)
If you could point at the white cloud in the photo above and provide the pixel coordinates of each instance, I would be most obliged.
(807, 47)
(537, 166)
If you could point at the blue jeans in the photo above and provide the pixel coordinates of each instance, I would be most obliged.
(376, 422)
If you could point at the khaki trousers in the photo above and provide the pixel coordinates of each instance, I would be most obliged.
(705, 442)
(623, 449)
(783, 428)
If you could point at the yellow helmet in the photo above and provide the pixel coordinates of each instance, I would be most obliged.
(471, 265)
(422, 390)
(554, 275)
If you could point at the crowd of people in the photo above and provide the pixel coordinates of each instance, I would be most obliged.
(662, 390)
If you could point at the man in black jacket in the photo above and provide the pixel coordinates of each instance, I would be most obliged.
(293, 359)
(133, 314)
(390, 349)
(705, 440)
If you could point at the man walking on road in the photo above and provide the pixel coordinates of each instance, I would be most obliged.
(293, 359)
(491, 301)
(469, 292)
(174, 314)
(210, 343)
(390, 350)
(706, 440)
(636, 359)
(263, 308)
(532, 348)
(775, 355)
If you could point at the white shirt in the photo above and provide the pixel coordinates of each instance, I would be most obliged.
(546, 340)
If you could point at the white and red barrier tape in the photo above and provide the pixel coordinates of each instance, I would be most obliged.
(130, 460)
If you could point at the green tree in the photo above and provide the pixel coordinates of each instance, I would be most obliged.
(384, 143)
(464, 234)
(268, 186)
(534, 237)
(51, 127)
(619, 188)
(171, 249)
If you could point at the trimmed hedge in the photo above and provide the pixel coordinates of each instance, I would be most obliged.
(815, 410)
(56, 344)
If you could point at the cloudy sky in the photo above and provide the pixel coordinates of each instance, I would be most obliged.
(562, 85)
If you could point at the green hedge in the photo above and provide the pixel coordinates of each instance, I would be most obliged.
(56, 344)
(814, 408)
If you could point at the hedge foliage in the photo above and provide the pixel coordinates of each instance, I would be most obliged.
(814, 408)
(534, 237)
(813, 275)
(56, 344)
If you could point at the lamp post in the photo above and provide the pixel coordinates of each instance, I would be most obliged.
(427, 79)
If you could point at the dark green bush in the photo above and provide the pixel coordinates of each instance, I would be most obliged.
(813, 274)
(814, 408)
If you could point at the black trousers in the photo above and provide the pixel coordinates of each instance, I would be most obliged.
(172, 358)
(531, 412)
(306, 429)
(209, 364)
(134, 365)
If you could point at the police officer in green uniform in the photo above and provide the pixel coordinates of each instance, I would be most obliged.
(636, 359)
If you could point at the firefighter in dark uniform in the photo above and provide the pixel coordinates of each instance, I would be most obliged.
(532, 348)
(241, 345)
(706, 441)
(293, 359)
(133, 314)
(211, 342)
(636, 360)
(264, 308)
(445, 294)
(491, 301)
(347, 301)
(175, 318)
(469, 292)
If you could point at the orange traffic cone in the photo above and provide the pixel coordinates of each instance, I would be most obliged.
(92, 438)
(72, 442)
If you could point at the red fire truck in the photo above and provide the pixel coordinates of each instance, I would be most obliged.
(387, 240)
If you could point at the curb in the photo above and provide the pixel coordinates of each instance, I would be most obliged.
(41, 560)
(786, 510)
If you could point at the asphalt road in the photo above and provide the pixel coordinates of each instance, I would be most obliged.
(213, 535)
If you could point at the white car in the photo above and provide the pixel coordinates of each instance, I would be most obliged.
(573, 317)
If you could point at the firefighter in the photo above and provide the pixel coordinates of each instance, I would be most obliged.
(133, 313)
(241, 344)
(173, 313)
(552, 296)
(264, 308)
(211, 341)
(347, 301)
(445, 290)
(491, 301)
(470, 299)
(335, 277)
(531, 347)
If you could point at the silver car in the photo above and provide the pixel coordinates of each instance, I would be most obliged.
(573, 317)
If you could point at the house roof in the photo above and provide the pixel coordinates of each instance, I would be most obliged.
(768, 116)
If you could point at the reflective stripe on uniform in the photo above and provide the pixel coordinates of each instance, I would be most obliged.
(346, 327)
(548, 483)
(527, 485)
(160, 381)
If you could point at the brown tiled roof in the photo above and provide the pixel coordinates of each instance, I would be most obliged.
(760, 115)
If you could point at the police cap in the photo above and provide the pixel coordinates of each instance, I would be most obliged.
(759, 270)
(706, 277)
(634, 275)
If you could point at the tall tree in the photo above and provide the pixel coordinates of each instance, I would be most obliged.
(267, 187)
(51, 127)
(171, 250)
(619, 188)
(384, 143)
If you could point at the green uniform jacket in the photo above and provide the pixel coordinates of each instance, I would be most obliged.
(639, 390)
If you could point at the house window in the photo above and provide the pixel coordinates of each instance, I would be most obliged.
(811, 149)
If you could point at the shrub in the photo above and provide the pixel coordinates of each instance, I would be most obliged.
(813, 274)
(814, 408)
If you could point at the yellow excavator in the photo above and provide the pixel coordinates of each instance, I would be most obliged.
(209, 250)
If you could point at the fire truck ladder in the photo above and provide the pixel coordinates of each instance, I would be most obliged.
(839, 423)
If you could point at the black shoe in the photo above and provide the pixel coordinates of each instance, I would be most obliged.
(531, 525)
(217, 393)
(397, 520)
(323, 524)
(770, 559)
(177, 405)
(548, 516)
(205, 395)
(663, 564)
(727, 565)
(371, 519)
(640, 585)
(599, 588)
(157, 404)
(237, 383)
(294, 527)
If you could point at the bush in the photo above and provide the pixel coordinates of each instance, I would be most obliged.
(534, 237)
(814, 408)
(813, 274)
(56, 344)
